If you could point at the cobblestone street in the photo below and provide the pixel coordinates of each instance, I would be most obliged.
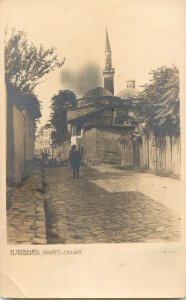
(107, 205)
(26, 215)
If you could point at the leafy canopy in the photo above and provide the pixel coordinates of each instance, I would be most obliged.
(162, 100)
(25, 64)
(59, 104)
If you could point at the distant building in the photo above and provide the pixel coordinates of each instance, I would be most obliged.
(22, 110)
(43, 141)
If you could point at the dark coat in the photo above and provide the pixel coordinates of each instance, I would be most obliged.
(74, 158)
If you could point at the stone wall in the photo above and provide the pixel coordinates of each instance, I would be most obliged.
(107, 146)
(10, 145)
(29, 143)
(88, 145)
(104, 146)
(20, 144)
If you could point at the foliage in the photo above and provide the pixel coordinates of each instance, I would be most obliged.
(28, 100)
(161, 98)
(25, 65)
(59, 104)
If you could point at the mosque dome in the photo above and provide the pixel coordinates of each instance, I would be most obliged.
(130, 92)
(98, 92)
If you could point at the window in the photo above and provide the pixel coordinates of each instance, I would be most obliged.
(73, 130)
(78, 130)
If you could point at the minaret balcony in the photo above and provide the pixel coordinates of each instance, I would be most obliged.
(108, 72)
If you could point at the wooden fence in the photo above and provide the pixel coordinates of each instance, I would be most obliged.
(160, 153)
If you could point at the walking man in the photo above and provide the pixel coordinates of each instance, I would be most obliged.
(75, 160)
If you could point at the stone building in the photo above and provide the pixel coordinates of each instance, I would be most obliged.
(22, 110)
(101, 125)
(43, 141)
(102, 134)
(112, 129)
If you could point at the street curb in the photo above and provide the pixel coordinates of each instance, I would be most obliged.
(40, 209)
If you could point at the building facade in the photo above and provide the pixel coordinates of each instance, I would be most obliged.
(43, 141)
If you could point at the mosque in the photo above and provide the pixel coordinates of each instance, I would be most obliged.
(102, 125)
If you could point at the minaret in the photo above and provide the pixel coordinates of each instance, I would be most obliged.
(108, 72)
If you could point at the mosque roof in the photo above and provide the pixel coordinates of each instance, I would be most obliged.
(98, 92)
(78, 113)
(129, 93)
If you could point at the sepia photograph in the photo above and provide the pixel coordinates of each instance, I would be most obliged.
(93, 122)
(93, 143)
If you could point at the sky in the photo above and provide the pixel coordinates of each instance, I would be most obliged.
(144, 35)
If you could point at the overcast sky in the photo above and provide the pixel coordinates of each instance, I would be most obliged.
(144, 35)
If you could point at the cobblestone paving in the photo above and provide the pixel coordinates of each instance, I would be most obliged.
(165, 190)
(26, 216)
(79, 211)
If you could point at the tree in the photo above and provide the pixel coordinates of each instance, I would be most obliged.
(25, 64)
(59, 104)
(162, 108)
